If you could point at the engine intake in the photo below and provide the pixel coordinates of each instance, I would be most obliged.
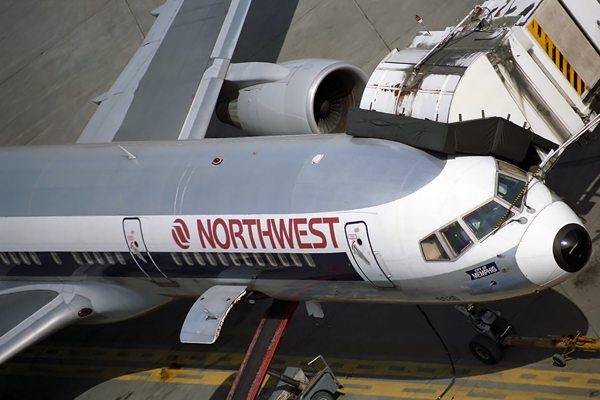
(313, 97)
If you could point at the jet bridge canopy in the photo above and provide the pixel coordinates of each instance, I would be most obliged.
(488, 136)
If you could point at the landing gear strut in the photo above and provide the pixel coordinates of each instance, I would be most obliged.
(488, 346)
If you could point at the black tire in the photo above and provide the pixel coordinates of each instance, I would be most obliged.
(322, 395)
(500, 326)
(558, 360)
(486, 350)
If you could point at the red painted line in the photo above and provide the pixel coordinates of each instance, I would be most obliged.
(270, 353)
(247, 357)
(264, 367)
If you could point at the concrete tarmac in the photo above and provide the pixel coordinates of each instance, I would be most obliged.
(378, 352)
(57, 55)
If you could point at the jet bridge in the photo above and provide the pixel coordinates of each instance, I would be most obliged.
(536, 64)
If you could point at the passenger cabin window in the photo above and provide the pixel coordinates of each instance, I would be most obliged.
(87, 257)
(509, 188)
(24, 258)
(246, 259)
(283, 259)
(199, 259)
(109, 258)
(188, 260)
(120, 258)
(259, 260)
(176, 259)
(56, 258)
(271, 259)
(309, 260)
(76, 257)
(432, 249)
(98, 258)
(14, 258)
(223, 259)
(457, 238)
(35, 258)
(211, 259)
(234, 259)
(511, 169)
(483, 220)
(4, 259)
(295, 260)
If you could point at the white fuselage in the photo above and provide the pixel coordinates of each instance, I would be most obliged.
(372, 253)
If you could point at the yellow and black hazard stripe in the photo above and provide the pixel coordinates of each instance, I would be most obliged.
(557, 57)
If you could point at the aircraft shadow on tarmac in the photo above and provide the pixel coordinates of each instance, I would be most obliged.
(583, 162)
(363, 334)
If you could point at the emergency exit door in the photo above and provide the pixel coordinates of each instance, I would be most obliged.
(132, 228)
(357, 236)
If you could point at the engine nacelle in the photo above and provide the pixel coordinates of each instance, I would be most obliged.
(295, 97)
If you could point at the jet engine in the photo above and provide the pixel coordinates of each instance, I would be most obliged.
(295, 97)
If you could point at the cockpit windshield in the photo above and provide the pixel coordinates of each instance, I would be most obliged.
(509, 188)
(456, 237)
(451, 241)
(483, 220)
(511, 169)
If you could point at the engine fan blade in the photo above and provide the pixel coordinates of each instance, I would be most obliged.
(331, 105)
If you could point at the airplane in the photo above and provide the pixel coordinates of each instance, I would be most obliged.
(294, 209)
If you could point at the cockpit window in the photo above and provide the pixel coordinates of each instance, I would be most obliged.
(432, 249)
(511, 169)
(483, 220)
(456, 237)
(509, 188)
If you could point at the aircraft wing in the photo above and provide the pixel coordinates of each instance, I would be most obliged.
(169, 89)
(32, 313)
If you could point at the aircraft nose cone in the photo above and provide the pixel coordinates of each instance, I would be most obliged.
(554, 245)
(572, 247)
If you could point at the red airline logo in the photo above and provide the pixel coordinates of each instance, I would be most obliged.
(181, 234)
(272, 233)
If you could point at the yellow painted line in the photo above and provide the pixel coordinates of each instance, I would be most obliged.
(341, 367)
(359, 386)
(134, 355)
(547, 378)
(557, 57)
(371, 387)
(186, 376)
(75, 371)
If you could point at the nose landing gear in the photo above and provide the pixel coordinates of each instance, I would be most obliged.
(488, 346)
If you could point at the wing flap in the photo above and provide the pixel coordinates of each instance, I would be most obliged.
(115, 103)
(169, 89)
(198, 118)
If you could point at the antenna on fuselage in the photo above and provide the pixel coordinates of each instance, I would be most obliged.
(127, 153)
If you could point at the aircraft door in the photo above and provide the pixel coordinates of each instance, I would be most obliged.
(357, 236)
(132, 228)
